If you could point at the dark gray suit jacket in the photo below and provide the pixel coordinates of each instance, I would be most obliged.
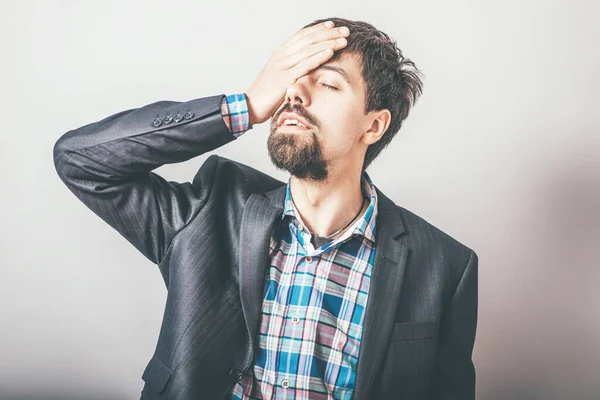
(210, 241)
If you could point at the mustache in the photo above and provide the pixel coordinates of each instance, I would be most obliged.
(301, 111)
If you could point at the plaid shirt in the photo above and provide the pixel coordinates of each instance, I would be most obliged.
(313, 303)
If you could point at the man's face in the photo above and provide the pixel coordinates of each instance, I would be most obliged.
(334, 120)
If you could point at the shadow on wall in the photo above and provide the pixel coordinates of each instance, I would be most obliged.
(548, 344)
(59, 396)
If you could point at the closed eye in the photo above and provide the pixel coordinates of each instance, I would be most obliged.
(329, 86)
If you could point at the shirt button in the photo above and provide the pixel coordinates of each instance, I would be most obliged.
(295, 319)
(308, 259)
(285, 383)
(236, 375)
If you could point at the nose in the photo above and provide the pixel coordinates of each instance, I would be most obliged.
(298, 92)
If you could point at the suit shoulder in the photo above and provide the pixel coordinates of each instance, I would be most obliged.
(431, 237)
(230, 173)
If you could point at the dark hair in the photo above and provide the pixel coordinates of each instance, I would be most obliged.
(392, 81)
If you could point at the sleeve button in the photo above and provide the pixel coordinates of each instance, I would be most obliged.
(157, 122)
(168, 119)
(188, 115)
(177, 118)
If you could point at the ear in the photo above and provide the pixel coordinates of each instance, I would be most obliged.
(381, 121)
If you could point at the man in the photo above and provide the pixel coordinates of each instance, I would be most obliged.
(319, 288)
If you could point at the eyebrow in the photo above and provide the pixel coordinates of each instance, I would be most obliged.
(338, 70)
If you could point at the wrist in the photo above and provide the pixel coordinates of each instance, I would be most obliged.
(252, 120)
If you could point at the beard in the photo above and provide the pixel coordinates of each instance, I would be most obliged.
(299, 153)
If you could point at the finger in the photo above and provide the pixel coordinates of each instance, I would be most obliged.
(310, 63)
(308, 31)
(309, 51)
(315, 37)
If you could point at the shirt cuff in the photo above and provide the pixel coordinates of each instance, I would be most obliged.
(234, 110)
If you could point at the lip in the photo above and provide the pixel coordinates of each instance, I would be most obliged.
(289, 115)
(291, 128)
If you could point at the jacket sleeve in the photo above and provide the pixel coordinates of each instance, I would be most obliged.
(454, 377)
(107, 165)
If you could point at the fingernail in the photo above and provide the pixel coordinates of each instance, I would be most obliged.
(329, 24)
(344, 30)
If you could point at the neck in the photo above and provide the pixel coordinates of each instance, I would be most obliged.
(329, 205)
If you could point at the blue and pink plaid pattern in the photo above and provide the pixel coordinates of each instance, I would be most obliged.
(313, 310)
(234, 110)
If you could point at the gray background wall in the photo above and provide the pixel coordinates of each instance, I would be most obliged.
(502, 152)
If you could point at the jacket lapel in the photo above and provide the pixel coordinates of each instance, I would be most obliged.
(387, 277)
(258, 218)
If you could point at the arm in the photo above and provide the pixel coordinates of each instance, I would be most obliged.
(454, 370)
(107, 165)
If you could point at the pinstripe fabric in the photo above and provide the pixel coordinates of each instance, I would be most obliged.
(315, 355)
(210, 238)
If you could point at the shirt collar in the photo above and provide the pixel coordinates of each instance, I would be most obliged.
(365, 226)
